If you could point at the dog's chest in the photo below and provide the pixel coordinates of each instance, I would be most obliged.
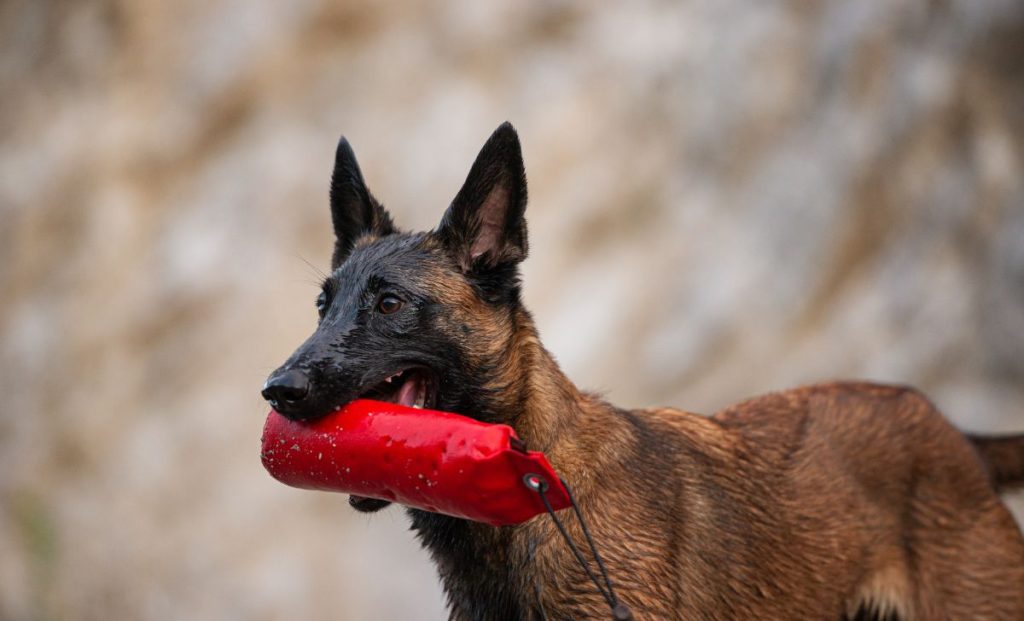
(521, 572)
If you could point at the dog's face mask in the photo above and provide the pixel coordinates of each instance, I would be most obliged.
(421, 319)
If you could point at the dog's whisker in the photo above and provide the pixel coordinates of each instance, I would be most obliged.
(319, 273)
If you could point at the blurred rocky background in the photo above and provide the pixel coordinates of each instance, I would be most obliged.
(726, 197)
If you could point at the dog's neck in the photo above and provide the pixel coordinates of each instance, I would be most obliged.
(576, 430)
(478, 564)
(550, 402)
(579, 433)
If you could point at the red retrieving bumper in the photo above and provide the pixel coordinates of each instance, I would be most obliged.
(435, 461)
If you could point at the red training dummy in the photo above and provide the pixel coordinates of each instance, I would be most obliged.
(430, 460)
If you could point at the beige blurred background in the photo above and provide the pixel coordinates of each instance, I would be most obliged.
(726, 198)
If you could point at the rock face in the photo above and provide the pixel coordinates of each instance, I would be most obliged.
(727, 198)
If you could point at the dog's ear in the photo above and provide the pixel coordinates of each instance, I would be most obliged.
(354, 211)
(484, 227)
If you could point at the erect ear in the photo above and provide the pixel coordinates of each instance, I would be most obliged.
(354, 211)
(484, 227)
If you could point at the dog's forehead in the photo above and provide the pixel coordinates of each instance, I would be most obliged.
(396, 257)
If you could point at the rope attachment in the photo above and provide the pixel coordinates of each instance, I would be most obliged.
(537, 483)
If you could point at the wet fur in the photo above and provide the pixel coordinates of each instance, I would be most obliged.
(842, 500)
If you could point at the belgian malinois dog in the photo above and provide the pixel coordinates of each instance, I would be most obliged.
(835, 501)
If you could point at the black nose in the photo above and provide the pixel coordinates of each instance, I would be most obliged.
(286, 390)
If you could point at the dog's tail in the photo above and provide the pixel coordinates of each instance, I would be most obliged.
(1003, 457)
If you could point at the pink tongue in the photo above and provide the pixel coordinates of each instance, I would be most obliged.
(408, 392)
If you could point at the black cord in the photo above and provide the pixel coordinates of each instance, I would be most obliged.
(590, 542)
(620, 612)
(576, 551)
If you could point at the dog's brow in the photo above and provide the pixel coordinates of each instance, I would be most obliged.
(376, 282)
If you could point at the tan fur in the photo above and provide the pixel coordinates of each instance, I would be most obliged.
(804, 504)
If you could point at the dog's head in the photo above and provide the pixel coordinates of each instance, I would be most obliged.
(421, 319)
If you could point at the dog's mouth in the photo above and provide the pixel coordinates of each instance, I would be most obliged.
(414, 387)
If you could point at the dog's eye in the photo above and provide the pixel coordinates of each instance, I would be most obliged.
(321, 304)
(388, 304)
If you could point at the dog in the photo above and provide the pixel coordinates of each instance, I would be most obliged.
(835, 501)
